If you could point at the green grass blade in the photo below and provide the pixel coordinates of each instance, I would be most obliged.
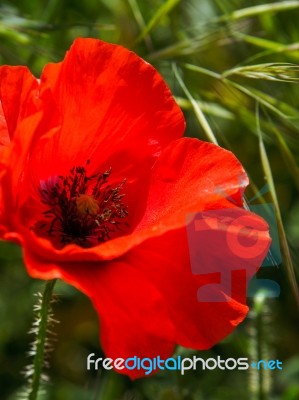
(279, 72)
(287, 154)
(186, 47)
(140, 22)
(266, 101)
(266, 44)
(262, 43)
(196, 109)
(214, 109)
(285, 111)
(260, 9)
(291, 51)
(284, 243)
(202, 70)
(165, 9)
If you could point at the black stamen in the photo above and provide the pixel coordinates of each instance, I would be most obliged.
(84, 209)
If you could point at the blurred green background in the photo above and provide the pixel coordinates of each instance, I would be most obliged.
(232, 66)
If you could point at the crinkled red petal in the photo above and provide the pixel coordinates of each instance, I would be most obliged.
(189, 176)
(133, 316)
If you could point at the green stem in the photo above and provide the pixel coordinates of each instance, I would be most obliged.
(41, 339)
(260, 328)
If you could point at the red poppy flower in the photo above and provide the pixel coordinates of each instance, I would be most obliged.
(98, 186)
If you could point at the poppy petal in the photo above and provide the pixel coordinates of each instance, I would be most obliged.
(4, 144)
(179, 273)
(133, 316)
(4, 136)
(202, 279)
(16, 86)
(189, 176)
(20, 113)
(203, 275)
(126, 111)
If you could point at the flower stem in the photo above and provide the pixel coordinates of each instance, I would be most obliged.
(41, 337)
(260, 328)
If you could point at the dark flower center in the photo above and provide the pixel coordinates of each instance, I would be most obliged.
(82, 209)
